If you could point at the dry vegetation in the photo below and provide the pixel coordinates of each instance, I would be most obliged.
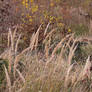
(32, 70)
(45, 46)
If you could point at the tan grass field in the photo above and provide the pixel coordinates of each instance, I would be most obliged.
(33, 71)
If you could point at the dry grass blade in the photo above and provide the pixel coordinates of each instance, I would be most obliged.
(59, 45)
(8, 39)
(61, 53)
(69, 40)
(18, 57)
(67, 74)
(46, 51)
(14, 33)
(34, 39)
(46, 29)
(86, 71)
(36, 36)
(34, 42)
(87, 67)
(21, 76)
(49, 34)
(12, 40)
(71, 52)
(8, 78)
(10, 58)
(12, 36)
(16, 47)
(60, 59)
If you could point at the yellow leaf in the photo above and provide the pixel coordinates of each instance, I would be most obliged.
(31, 1)
(69, 30)
(34, 8)
(23, 2)
(51, 4)
(30, 20)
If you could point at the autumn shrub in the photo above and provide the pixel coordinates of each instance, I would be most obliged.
(30, 14)
(35, 13)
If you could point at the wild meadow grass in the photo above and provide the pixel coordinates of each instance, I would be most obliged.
(32, 70)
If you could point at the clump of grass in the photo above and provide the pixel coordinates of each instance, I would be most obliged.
(52, 72)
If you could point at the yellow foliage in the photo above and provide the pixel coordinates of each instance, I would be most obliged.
(30, 20)
(31, 1)
(25, 3)
(51, 4)
(34, 8)
(60, 24)
(45, 14)
(69, 30)
(51, 18)
(29, 17)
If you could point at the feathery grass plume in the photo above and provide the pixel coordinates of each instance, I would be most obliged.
(69, 40)
(59, 58)
(8, 79)
(10, 59)
(18, 57)
(12, 36)
(74, 78)
(46, 51)
(13, 49)
(47, 47)
(34, 43)
(67, 75)
(20, 75)
(71, 52)
(86, 71)
(17, 42)
(8, 40)
(14, 33)
(59, 45)
(65, 46)
(12, 40)
(49, 34)
(37, 36)
(59, 70)
(34, 39)
(46, 29)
